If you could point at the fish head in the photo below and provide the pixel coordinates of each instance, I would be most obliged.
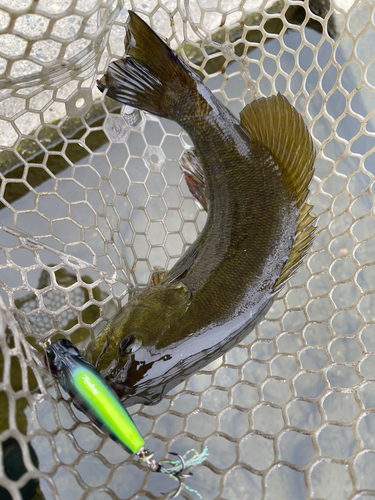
(132, 352)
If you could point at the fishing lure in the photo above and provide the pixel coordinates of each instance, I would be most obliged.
(94, 397)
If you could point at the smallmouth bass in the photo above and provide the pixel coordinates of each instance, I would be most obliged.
(253, 175)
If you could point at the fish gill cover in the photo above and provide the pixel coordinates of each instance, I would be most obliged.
(93, 198)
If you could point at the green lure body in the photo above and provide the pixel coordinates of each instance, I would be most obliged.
(92, 395)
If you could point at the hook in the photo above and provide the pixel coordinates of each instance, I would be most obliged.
(177, 468)
(177, 474)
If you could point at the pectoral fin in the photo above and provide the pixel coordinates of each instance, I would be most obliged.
(157, 275)
(191, 168)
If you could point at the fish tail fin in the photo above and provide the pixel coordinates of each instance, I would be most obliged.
(150, 76)
(276, 124)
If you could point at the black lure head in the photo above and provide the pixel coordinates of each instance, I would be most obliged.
(58, 354)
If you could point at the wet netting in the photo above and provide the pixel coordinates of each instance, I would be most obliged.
(92, 199)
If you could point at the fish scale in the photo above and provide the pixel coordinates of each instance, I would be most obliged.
(256, 176)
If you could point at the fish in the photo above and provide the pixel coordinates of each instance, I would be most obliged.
(253, 176)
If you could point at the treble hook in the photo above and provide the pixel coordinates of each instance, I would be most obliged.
(177, 468)
(177, 492)
(178, 474)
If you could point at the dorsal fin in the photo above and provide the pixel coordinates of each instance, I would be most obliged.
(275, 123)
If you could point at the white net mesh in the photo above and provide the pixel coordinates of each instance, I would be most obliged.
(92, 199)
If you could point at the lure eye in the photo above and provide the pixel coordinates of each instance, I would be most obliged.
(129, 345)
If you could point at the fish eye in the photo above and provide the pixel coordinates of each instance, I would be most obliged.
(129, 345)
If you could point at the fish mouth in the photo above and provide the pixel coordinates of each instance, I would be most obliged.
(107, 372)
(116, 374)
(98, 352)
(131, 396)
(122, 391)
(112, 368)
